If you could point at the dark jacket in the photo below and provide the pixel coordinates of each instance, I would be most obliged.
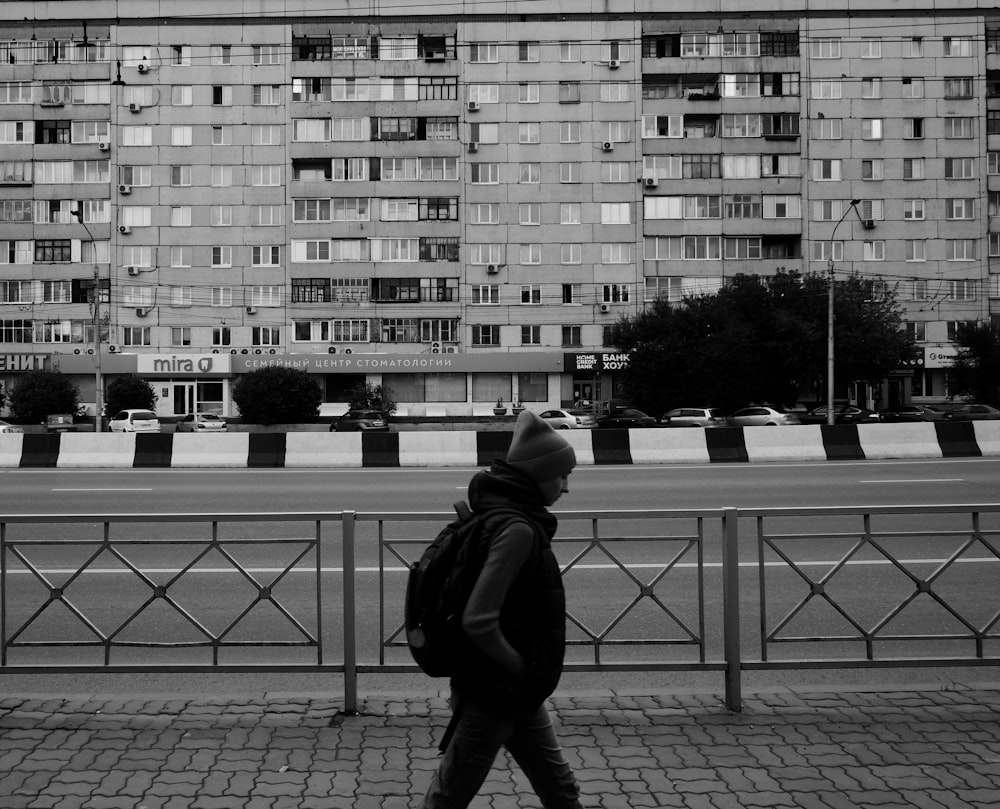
(516, 617)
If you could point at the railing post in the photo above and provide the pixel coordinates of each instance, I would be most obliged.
(350, 617)
(731, 607)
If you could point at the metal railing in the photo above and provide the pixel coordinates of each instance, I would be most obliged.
(656, 590)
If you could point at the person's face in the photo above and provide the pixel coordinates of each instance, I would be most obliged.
(553, 489)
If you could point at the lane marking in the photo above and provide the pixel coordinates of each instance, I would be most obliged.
(917, 480)
(111, 489)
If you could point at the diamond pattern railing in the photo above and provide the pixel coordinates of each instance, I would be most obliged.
(918, 597)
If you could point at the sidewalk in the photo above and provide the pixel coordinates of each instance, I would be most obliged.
(926, 746)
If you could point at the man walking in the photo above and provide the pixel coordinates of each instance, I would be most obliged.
(515, 621)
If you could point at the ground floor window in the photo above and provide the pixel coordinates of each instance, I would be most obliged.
(532, 387)
(490, 387)
(426, 387)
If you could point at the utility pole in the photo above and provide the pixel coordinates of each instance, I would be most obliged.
(95, 313)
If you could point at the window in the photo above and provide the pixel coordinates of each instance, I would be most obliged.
(828, 129)
(570, 132)
(872, 169)
(569, 51)
(530, 173)
(484, 93)
(527, 92)
(616, 253)
(571, 253)
(180, 55)
(529, 132)
(913, 209)
(485, 335)
(960, 209)
(531, 294)
(529, 213)
(913, 128)
(825, 48)
(569, 213)
(958, 87)
(221, 336)
(570, 172)
(620, 213)
(960, 249)
(915, 49)
(484, 52)
(572, 293)
(137, 135)
(958, 46)
(527, 51)
(571, 336)
(615, 91)
(871, 48)
(180, 216)
(782, 207)
(221, 176)
(484, 173)
(222, 296)
(530, 254)
(955, 127)
(267, 95)
(180, 336)
(962, 290)
(874, 250)
(826, 88)
(826, 170)
(569, 92)
(265, 255)
(615, 293)
(222, 256)
(265, 54)
(484, 213)
(222, 136)
(913, 168)
(181, 135)
(912, 87)
(871, 88)
(960, 168)
(180, 95)
(915, 250)
(531, 336)
(871, 129)
(917, 331)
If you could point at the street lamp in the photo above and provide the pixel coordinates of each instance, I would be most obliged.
(96, 314)
(853, 206)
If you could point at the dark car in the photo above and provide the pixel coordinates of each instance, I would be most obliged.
(361, 421)
(910, 413)
(973, 412)
(59, 423)
(842, 414)
(626, 417)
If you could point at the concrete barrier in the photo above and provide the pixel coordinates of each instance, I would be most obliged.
(210, 449)
(438, 449)
(881, 441)
(988, 437)
(106, 450)
(310, 450)
(804, 443)
(672, 445)
(10, 450)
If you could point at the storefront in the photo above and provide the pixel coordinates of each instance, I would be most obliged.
(594, 379)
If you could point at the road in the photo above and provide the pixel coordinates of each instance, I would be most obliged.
(628, 487)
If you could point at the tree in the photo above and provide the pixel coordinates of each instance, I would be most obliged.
(277, 396)
(38, 393)
(975, 371)
(128, 392)
(759, 339)
(366, 396)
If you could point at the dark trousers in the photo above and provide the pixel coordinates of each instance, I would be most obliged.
(473, 748)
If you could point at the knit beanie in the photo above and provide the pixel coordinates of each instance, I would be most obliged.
(538, 451)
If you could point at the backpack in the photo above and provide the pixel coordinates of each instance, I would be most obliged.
(438, 587)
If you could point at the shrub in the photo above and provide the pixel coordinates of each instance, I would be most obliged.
(366, 396)
(38, 393)
(129, 392)
(277, 396)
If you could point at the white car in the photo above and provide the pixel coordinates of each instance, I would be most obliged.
(202, 423)
(569, 419)
(9, 428)
(134, 421)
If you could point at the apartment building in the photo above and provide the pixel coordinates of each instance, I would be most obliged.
(460, 205)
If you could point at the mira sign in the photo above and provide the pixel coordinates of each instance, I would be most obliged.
(22, 362)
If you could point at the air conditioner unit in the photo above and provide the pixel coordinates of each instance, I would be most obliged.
(473, 146)
(141, 312)
(331, 350)
(233, 351)
(492, 269)
(651, 182)
(114, 349)
(348, 350)
(77, 351)
(605, 308)
(257, 351)
(142, 67)
(272, 351)
(132, 270)
(614, 64)
(103, 146)
(124, 189)
(251, 310)
(215, 351)
(135, 107)
(124, 229)
(436, 347)
(450, 350)
(869, 224)
(473, 106)
(608, 146)
(244, 351)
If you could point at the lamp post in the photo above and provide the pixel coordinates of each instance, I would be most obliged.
(96, 315)
(853, 206)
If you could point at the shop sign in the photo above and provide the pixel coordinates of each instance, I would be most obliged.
(401, 363)
(597, 361)
(942, 357)
(22, 362)
(182, 364)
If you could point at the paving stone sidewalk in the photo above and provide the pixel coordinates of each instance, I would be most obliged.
(923, 746)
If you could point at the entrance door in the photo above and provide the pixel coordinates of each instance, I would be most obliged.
(183, 398)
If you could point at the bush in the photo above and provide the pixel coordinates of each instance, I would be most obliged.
(38, 393)
(129, 392)
(277, 396)
(366, 396)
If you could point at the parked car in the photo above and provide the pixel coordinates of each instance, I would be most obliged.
(626, 417)
(911, 413)
(202, 423)
(59, 423)
(761, 416)
(569, 419)
(842, 414)
(693, 417)
(134, 421)
(360, 421)
(972, 412)
(6, 427)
